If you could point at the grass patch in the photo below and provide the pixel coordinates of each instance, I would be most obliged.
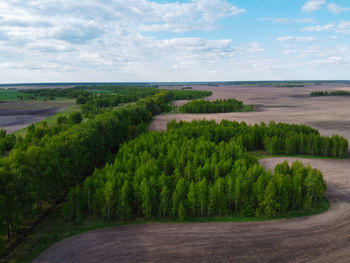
(10, 94)
(263, 155)
(54, 228)
(51, 121)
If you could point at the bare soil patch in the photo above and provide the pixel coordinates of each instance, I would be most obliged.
(293, 105)
(16, 115)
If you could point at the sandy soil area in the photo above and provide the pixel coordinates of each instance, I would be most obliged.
(16, 115)
(319, 238)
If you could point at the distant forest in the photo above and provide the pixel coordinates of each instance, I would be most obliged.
(217, 106)
(330, 93)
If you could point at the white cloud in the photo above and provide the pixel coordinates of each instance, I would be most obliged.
(275, 19)
(252, 48)
(336, 9)
(342, 27)
(69, 40)
(337, 59)
(124, 40)
(304, 20)
(297, 39)
(288, 20)
(313, 5)
(319, 28)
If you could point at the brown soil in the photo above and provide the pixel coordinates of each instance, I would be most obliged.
(16, 115)
(293, 105)
(320, 238)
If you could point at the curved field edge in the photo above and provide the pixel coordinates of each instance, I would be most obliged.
(54, 229)
(264, 155)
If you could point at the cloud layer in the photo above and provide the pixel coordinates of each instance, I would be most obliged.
(145, 40)
(336, 9)
(62, 36)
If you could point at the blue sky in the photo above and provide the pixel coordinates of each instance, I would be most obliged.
(187, 40)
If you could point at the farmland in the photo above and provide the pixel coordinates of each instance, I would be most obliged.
(16, 115)
(219, 237)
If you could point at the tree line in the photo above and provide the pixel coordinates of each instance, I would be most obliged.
(169, 175)
(51, 94)
(45, 170)
(280, 138)
(99, 103)
(45, 163)
(217, 106)
(330, 93)
(36, 135)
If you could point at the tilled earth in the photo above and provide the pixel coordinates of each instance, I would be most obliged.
(319, 238)
(16, 115)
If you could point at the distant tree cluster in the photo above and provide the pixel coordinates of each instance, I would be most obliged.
(51, 94)
(287, 85)
(280, 138)
(330, 93)
(168, 175)
(217, 106)
(187, 94)
(121, 89)
(100, 103)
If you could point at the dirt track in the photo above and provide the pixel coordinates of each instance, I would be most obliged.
(320, 238)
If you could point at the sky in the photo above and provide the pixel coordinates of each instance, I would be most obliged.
(184, 40)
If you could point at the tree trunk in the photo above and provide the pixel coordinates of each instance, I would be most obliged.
(89, 203)
(8, 228)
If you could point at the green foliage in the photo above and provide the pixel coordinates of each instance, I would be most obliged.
(188, 94)
(218, 106)
(75, 118)
(10, 94)
(171, 175)
(48, 161)
(330, 93)
(7, 141)
(51, 94)
(72, 208)
(280, 138)
(155, 100)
